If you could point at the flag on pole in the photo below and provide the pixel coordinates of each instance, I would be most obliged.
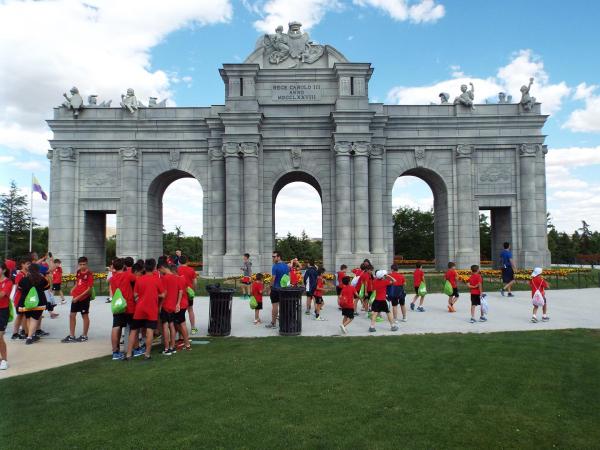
(37, 187)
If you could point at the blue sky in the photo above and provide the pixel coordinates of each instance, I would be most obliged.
(174, 49)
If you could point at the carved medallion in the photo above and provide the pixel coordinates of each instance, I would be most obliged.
(174, 156)
(296, 155)
(419, 156)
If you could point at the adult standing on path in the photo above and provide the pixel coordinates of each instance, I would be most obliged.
(508, 270)
(278, 270)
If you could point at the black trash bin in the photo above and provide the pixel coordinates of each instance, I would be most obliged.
(290, 310)
(219, 316)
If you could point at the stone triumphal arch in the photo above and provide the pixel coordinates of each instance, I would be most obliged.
(297, 111)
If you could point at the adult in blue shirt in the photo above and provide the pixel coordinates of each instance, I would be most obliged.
(508, 270)
(279, 269)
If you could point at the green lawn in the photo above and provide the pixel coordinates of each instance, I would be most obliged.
(503, 390)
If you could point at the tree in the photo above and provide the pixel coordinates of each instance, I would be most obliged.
(14, 219)
(485, 238)
(304, 248)
(413, 233)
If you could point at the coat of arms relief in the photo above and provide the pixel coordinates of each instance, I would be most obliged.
(294, 44)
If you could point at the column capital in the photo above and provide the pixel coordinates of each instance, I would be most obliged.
(249, 149)
(67, 154)
(231, 149)
(376, 151)
(529, 149)
(216, 154)
(342, 148)
(464, 150)
(361, 148)
(50, 154)
(128, 153)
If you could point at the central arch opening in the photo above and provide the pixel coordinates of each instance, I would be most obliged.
(298, 217)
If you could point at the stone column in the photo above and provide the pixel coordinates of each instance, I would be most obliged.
(251, 206)
(466, 236)
(217, 201)
(376, 192)
(66, 242)
(232, 198)
(343, 216)
(361, 197)
(128, 217)
(527, 166)
(54, 200)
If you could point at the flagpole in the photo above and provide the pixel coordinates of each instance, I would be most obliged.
(31, 216)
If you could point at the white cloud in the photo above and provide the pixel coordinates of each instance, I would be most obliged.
(588, 118)
(402, 10)
(509, 79)
(182, 206)
(298, 208)
(412, 192)
(281, 12)
(101, 46)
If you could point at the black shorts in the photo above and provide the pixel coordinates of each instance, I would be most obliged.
(475, 299)
(121, 320)
(136, 324)
(3, 319)
(247, 283)
(179, 317)
(274, 296)
(348, 312)
(398, 300)
(56, 286)
(167, 317)
(50, 307)
(36, 314)
(259, 306)
(508, 274)
(318, 300)
(417, 290)
(338, 290)
(380, 306)
(82, 306)
(455, 292)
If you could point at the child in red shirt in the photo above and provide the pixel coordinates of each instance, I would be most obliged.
(340, 276)
(396, 294)
(538, 283)
(476, 286)
(257, 292)
(80, 303)
(418, 278)
(5, 289)
(380, 305)
(347, 297)
(169, 306)
(180, 324)
(190, 276)
(452, 277)
(57, 281)
(19, 319)
(319, 292)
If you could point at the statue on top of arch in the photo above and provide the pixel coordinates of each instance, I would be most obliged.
(294, 44)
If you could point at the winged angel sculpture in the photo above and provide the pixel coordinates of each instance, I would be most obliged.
(294, 44)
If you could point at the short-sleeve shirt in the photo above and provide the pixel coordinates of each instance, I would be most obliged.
(257, 290)
(41, 286)
(84, 281)
(364, 278)
(5, 288)
(185, 302)
(451, 277)
(340, 276)
(505, 257)
(278, 270)
(418, 277)
(380, 287)
(20, 275)
(347, 296)
(538, 283)
(57, 275)
(124, 281)
(148, 288)
(399, 279)
(320, 290)
(294, 277)
(247, 268)
(188, 273)
(474, 280)
(171, 285)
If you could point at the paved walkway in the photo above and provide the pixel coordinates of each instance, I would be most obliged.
(578, 308)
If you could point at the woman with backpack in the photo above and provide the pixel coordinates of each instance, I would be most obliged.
(33, 300)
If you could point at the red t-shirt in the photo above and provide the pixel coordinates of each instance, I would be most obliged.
(188, 273)
(172, 287)
(347, 296)
(356, 272)
(451, 277)
(538, 283)
(364, 278)
(18, 277)
(5, 288)
(185, 302)
(257, 290)
(148, 287)
(474, 280)
(294, 277)
(319, 291)
(84, 281)
(418, 276)
(124, 282)
(10, 265)
(399, 279)
(380, 287)
(57, 275)
(340, 276)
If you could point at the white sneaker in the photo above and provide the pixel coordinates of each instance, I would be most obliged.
(403, 319)
(533, 319)
(344, 330)
(3, 365)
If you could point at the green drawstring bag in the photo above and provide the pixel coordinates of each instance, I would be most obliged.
(372, 297)
(190, 292)
(93, 293)
(118, 304)
(361, 292)
(422, 289)
(11, 311)
(31, 300)
(448, 290)
(285, 280)
(253, 302)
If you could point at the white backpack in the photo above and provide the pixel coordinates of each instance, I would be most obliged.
(354, 281)
(538, 298)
